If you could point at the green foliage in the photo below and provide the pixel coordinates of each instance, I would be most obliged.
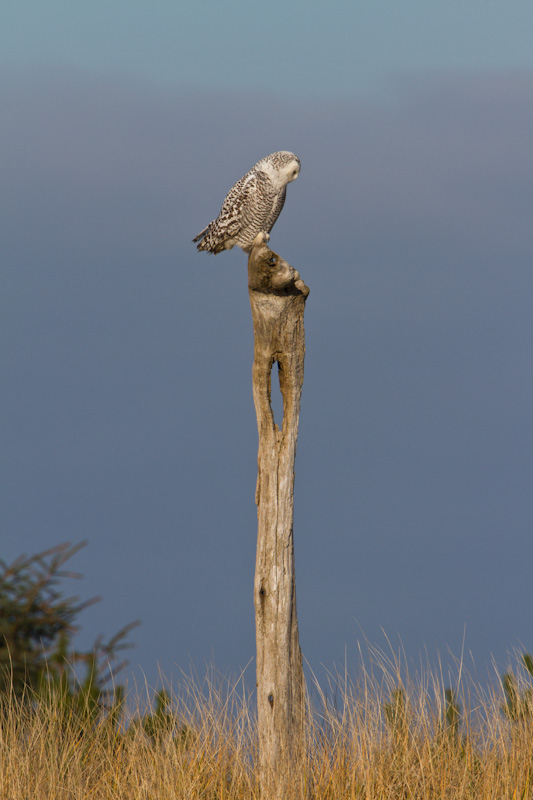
(162, 725)
(33, 615)
(452, 715)
(396, 714)
(36, 627)
(451, 728)
(518, 698)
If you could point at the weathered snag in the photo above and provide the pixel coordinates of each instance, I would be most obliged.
(277, 298)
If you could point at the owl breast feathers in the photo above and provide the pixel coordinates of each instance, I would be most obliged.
(252, 205)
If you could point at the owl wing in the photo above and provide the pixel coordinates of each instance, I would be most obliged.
(278, 207)
(246, 209)
(240, 205)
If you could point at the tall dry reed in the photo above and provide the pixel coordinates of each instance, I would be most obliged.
(382, 736)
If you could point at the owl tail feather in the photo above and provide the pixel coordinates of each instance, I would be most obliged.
(200, 235)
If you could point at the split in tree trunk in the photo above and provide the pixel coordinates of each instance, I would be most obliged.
(277, 298)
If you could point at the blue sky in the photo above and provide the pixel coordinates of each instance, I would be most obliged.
(127, 355)
(294, 49)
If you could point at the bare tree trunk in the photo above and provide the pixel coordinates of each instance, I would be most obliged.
(277, 298)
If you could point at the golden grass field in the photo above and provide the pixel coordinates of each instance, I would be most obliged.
(376, 738)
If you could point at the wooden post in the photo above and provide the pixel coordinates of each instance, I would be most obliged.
(277, 298)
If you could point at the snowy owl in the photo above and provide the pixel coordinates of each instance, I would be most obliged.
(252, 205)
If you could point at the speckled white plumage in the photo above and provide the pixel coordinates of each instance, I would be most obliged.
(252, 205)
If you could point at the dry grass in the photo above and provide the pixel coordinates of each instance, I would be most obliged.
(378, 738)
